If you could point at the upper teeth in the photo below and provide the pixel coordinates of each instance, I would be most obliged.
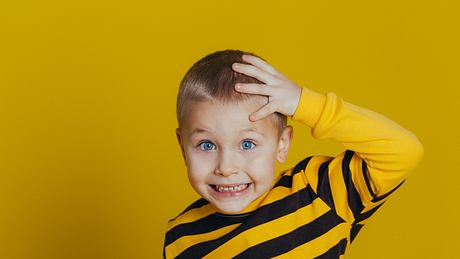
(231, 188)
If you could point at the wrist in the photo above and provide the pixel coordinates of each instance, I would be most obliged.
(309, 108)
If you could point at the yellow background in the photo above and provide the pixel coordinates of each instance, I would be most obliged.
(89, 162)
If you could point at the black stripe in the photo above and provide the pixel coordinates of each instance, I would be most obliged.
(261, 215)
(324, 187)
(379, 198)
(285, 181)
(354, 200)
(366, 178)
(335, 251)
(301, 165)
(293, 239)
(376, 198)
(367, 214)
(203, 225)
(355, 228)
(198, 203)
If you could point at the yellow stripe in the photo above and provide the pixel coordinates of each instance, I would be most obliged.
(356, 167)
(312, 168)
(174, 249)
(337, 183)
(299, 182)
(360, 183)
(319, 245)
(370, 205)
(339, 189)
(270, 230)
(286, 172)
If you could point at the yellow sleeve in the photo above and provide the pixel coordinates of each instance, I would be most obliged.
(378, 157)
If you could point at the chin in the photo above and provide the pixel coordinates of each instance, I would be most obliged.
(231, 208)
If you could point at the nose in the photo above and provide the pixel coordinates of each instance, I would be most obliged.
(226, 164)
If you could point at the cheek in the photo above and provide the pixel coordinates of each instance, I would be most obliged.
(199, 165)
(261, 166)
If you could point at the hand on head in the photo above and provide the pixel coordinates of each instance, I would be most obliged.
(283, 94)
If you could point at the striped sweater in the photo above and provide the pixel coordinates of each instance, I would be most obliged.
(316, 208)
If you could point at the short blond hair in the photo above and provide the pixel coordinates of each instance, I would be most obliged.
(213, 79)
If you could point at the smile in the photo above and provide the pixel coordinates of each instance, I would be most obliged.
(230, 188)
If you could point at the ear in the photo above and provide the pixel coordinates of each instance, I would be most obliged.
(180, 140)
(284, 143)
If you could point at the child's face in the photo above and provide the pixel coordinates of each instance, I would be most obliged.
(219, 153)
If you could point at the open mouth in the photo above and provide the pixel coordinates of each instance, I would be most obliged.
(230, 188)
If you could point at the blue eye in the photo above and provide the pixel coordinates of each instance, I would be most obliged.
(247, 145)
(207, 145)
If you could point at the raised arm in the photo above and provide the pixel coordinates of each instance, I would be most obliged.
(379, 153)
(379, 156)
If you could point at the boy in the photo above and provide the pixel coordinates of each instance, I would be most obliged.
(232, 108)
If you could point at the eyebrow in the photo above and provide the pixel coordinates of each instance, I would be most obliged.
(200, 131)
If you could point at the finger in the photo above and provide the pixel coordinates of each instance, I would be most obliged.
(252, 88)
(263, 112)
(260, 63)
(254, 71)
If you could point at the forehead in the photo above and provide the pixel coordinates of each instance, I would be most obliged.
(226, 118)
